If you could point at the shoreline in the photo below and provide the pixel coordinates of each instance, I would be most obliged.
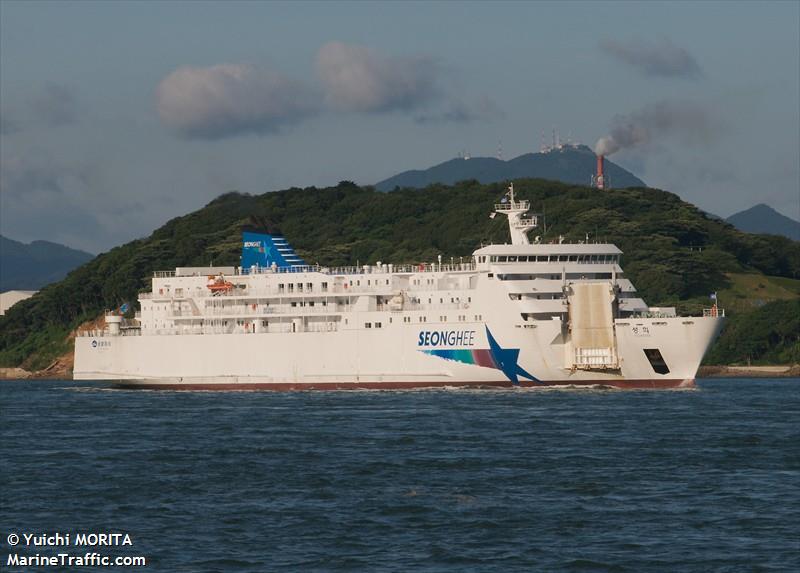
(772, 371)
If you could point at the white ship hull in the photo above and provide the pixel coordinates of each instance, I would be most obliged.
(388, 359)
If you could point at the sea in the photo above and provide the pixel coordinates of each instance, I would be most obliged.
(577, 480)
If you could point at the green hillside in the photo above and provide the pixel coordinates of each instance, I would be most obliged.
(769, 335)
(674, 253)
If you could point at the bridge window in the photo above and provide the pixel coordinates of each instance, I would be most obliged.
(502, 259)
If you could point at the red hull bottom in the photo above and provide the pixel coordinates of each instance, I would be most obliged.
(295, 387)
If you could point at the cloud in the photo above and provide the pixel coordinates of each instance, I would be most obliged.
(654, 59)
(231, 99)
(25, 175)
(459, 111)
(690, 122)
(55, 105)
(227, 100)
(356, 78)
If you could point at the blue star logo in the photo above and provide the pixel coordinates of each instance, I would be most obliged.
(507, 360)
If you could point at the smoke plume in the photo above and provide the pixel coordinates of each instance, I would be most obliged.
(663, 58)
(690, 122)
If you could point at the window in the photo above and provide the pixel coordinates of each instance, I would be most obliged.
(502, 259)
(311, 303)
(656, 360)
(377, 325)
(290, 287)
(294, 304)
(367, 325)
(309, 287)
(324, 287)
(512, 259)
(280, 287)
(299, 287)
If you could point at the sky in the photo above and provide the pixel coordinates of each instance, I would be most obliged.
(116, 117)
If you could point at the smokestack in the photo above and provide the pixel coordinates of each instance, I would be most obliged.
(600, 179)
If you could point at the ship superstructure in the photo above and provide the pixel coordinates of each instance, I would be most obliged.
(515, 314)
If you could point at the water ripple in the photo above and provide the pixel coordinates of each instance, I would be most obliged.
(569, 479)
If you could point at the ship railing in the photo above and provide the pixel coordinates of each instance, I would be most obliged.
(452, 266)
(515, 206)
(368, 269)
(714, 311)
(274, 328)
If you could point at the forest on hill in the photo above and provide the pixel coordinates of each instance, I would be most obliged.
(673, 252)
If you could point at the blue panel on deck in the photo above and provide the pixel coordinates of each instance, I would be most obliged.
(261, 250)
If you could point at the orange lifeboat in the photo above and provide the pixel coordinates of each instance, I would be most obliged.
(218, 284)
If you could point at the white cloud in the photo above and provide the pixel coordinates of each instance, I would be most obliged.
(231, 99)
(356, 78)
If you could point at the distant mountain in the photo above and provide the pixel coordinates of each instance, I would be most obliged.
(30, 267)
(571, 164)
(764, 219)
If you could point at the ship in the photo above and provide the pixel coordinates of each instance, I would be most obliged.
(527, 313)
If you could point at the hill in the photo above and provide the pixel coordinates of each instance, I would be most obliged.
(31, 266)
(769, 336)
(764, 219)
(574, 165)
(674, 253)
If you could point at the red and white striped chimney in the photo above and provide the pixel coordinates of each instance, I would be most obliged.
(600, 179)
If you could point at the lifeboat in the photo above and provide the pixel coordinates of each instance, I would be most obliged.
(218, 284)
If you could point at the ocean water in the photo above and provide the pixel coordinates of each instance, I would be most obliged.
(446, 480)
